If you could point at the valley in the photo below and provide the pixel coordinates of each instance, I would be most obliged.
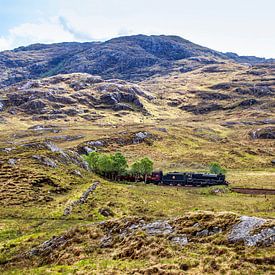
(184, 110)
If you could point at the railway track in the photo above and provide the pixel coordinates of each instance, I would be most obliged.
(254, 191)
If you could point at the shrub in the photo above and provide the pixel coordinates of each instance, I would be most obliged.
(215, 168)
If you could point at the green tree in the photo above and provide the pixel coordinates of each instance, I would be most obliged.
(142, 167)
(136, 169)
(146, 167)
(105, 165)
(119, 164)
(215, 168)
(92, 159)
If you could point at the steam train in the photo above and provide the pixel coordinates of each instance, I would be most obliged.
(186, 179)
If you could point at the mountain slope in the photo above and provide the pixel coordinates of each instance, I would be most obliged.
(131, 58)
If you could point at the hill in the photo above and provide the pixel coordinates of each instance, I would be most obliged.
(130, 58)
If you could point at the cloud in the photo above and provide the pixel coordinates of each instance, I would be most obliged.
(5, 43)
(221, 26)
(43, 31)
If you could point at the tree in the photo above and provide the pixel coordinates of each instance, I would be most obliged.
(215, 168)
(146, 167)
(119, 164)
(105, 165)
(136, 169)
(92, 159)
(142, 167)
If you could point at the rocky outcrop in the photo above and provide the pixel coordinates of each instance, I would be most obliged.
(263, 133)
(123, 139)
(74, 95)
(245, 232)
(122, 234)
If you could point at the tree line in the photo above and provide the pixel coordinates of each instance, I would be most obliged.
(115, 166)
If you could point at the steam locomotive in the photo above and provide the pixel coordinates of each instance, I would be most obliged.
(186, 179)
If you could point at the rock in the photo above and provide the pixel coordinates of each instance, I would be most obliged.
(3, 120)
(140, 137)
(203, 233)
(221, 86)
(77, 173)
(53, 147)
(202, 108)
(29, 84)
(87, 150)
(72, 112)
(164, 130)
(35, 106)
(248, 102)
(263, 133)
(158, 227)
(122, 106)
(49, 128)
(260, 91)
(48, 246)
(1, 106)
(97, 143)
(106, 241)
(243, 231)
(106, 212)
(180, 240)
(81, 200)
(45, 161)
(12, 161)
(212, 96)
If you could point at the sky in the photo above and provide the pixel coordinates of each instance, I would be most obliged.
(246, 27)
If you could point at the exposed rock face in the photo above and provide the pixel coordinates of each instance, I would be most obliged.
(74, 95)
(264, 133)
(243, 231)
(45, 161)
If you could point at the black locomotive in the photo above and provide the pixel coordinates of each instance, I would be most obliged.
(187, 179)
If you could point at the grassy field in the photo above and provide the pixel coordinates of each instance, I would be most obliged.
(32, 226)
(31, 214)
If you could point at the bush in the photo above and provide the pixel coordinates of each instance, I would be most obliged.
(215, 168)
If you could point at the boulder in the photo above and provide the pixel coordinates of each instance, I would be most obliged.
(106, 212)
(244, 231)
(263, 133)
(180, 240)
(140, 137)
(158, 228)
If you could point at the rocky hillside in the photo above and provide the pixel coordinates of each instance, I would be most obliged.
(73, 95)
(130, 58)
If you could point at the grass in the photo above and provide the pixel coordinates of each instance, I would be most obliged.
(185, 142)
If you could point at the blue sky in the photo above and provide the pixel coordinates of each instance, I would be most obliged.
(243, 26)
